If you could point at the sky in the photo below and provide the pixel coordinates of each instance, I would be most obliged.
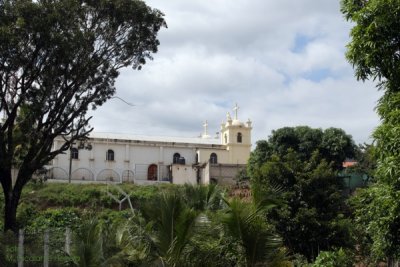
(283, 62)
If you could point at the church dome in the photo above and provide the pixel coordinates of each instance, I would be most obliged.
(237, 123)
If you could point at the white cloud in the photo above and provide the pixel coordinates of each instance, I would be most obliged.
(216, 53)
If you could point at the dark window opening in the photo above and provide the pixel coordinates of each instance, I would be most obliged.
(239, 137)
(176, 157)
(213, 158)
(110, 155)
(74, 153)
(152, 172)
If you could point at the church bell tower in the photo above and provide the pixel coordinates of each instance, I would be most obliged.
(236, 135)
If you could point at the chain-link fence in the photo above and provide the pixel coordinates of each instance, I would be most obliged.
(49, 247)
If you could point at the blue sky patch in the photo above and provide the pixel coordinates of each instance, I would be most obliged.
(318, 75)
(300, 43)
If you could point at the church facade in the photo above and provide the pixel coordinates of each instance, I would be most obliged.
(107, 157)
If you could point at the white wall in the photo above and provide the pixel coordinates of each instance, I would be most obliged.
(184, 174)
(136, 156)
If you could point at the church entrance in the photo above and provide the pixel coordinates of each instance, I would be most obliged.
(152, 173)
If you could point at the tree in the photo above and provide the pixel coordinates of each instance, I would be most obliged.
(58, 59)
(162, 234)
(333, 144)
(304, 163)
(245, 223)
(374, 52)
(376, 217)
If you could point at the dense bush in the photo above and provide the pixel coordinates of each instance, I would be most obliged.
(336, 258)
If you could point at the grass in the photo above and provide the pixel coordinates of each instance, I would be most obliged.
(47, 200)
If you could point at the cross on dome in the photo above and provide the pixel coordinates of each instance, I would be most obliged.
(236, 108)
(205, 125)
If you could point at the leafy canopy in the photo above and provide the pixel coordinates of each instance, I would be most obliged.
(374, 52)
(304, 163)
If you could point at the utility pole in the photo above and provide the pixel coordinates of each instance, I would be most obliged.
(82, 145)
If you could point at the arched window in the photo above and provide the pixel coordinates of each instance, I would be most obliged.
(239, 137)
(197, 158)
(110, 155)
(213, 158)
(175, 159)
(152, 172)
(226, 138)
(74, 153)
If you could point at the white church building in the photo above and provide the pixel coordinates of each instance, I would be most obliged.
(148, 159)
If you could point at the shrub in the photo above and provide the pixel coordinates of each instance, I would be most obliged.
(336, 258)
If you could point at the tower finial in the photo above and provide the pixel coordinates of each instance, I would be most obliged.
(236, 108)
(228, 116)
(205, 134)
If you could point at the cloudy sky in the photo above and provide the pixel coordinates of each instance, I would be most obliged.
(281, 61)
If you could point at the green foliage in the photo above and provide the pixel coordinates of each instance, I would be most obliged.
(211, 245)
(173, 231)
(88, 246)
(55, 218)
(202, 197)
(178, 226)
(373, 49)
(8, 253)
(336, 258)
(303, 164)
(246, 224)
(70, 195)
(333, 145)
(299, 260)
(377, 215)
(374, 53)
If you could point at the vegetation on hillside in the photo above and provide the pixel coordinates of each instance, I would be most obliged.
(171, 226)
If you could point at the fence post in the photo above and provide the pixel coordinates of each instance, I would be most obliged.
(68, 240)
(20, 248)
(46, 248)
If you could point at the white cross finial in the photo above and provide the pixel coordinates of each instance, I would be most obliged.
(236, 108)
(205, 125)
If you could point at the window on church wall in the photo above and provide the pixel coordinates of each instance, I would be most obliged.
(74, 153)
(152, 172)
(213, 158)
(239, 137)
(175, 159)
(110, 155)
(197, 158)
(226, 138)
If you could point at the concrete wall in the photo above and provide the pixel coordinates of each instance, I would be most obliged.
(184, 174)
(204, 155)
(225, 174)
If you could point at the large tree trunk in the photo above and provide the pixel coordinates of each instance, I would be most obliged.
(10, 210)
(12, 195)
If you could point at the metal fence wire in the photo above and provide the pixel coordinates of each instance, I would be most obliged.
(48, 247)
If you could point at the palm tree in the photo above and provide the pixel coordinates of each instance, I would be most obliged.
(203, 197)
(160, 236)
(246, 224)
(87, 246)
(95, 245)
